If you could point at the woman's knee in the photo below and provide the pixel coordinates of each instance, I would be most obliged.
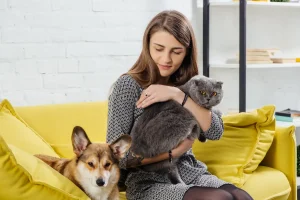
(222, 195)
(202, 193)
(236, 192)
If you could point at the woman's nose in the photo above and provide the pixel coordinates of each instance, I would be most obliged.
(167, 58)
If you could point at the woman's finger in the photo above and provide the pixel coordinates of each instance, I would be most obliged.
(145, 95)
(150, 100)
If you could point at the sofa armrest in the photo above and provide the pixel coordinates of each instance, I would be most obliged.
(282, 155)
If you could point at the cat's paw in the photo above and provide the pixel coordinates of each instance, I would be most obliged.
(202, 138)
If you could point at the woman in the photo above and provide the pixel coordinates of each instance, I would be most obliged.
(168, 59)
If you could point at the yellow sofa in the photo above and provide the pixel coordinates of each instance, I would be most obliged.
(270, 176)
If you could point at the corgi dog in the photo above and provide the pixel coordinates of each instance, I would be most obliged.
(95, 166)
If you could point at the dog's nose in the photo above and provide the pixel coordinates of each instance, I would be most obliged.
(100, 182)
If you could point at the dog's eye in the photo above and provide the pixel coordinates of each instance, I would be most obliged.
(90, 164)
(107, 165)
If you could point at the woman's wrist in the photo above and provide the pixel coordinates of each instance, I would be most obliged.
(183, 147)
(178, 95)
(155, 159)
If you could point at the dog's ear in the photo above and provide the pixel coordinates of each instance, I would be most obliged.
(80, 140)
(120, 146)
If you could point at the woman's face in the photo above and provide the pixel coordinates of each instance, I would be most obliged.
(167, 52)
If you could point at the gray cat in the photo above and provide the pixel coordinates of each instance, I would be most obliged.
(163, 125)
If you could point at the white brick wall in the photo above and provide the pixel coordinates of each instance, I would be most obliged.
(57, 51)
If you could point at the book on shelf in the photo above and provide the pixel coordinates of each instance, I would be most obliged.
(288, 113)
(265, 56)
(284, 60)
(283, 118)
(258, 56)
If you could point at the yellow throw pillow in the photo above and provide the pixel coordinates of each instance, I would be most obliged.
(246, 139)
(16, 131)
(24, 176)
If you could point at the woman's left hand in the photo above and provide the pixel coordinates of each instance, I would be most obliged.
(158, 93)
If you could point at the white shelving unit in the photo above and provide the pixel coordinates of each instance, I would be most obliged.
(275, 65)
(258, 4)
(295, 123)
(251, 4)
(232, 8)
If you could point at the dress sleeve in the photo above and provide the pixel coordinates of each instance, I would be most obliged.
(215, 130)
(121, 106)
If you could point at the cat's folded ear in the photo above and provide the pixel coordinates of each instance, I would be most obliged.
(220, 84)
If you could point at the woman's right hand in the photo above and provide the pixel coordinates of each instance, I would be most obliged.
(183, 147)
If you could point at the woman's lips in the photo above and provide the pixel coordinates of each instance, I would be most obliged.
(165, 67)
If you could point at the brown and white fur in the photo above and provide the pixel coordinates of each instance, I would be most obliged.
(95, 168)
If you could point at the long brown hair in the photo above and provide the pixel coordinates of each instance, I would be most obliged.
(145, 71)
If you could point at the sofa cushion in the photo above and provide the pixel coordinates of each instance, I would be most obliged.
(16, 131)
(54, 122)
(268, 183)
(246, 139)
(24, 176)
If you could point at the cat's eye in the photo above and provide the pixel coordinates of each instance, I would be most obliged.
(214, 94)
(203, 92)
(90, 164)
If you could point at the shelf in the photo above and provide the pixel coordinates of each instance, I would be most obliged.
(275, 65)
(254, 3)
(296, 123)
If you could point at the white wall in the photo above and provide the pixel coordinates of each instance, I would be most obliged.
(57, 51)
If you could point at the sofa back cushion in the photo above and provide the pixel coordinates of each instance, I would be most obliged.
(55, 122)
(246, 139)
(15, 131)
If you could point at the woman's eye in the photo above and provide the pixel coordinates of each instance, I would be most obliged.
(107, 165)
(177, 52)
(90, 164)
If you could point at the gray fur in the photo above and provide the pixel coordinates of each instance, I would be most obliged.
(163, 125)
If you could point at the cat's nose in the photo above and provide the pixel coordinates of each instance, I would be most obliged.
(208, 99)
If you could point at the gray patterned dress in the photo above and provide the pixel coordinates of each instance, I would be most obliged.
(122, 113)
